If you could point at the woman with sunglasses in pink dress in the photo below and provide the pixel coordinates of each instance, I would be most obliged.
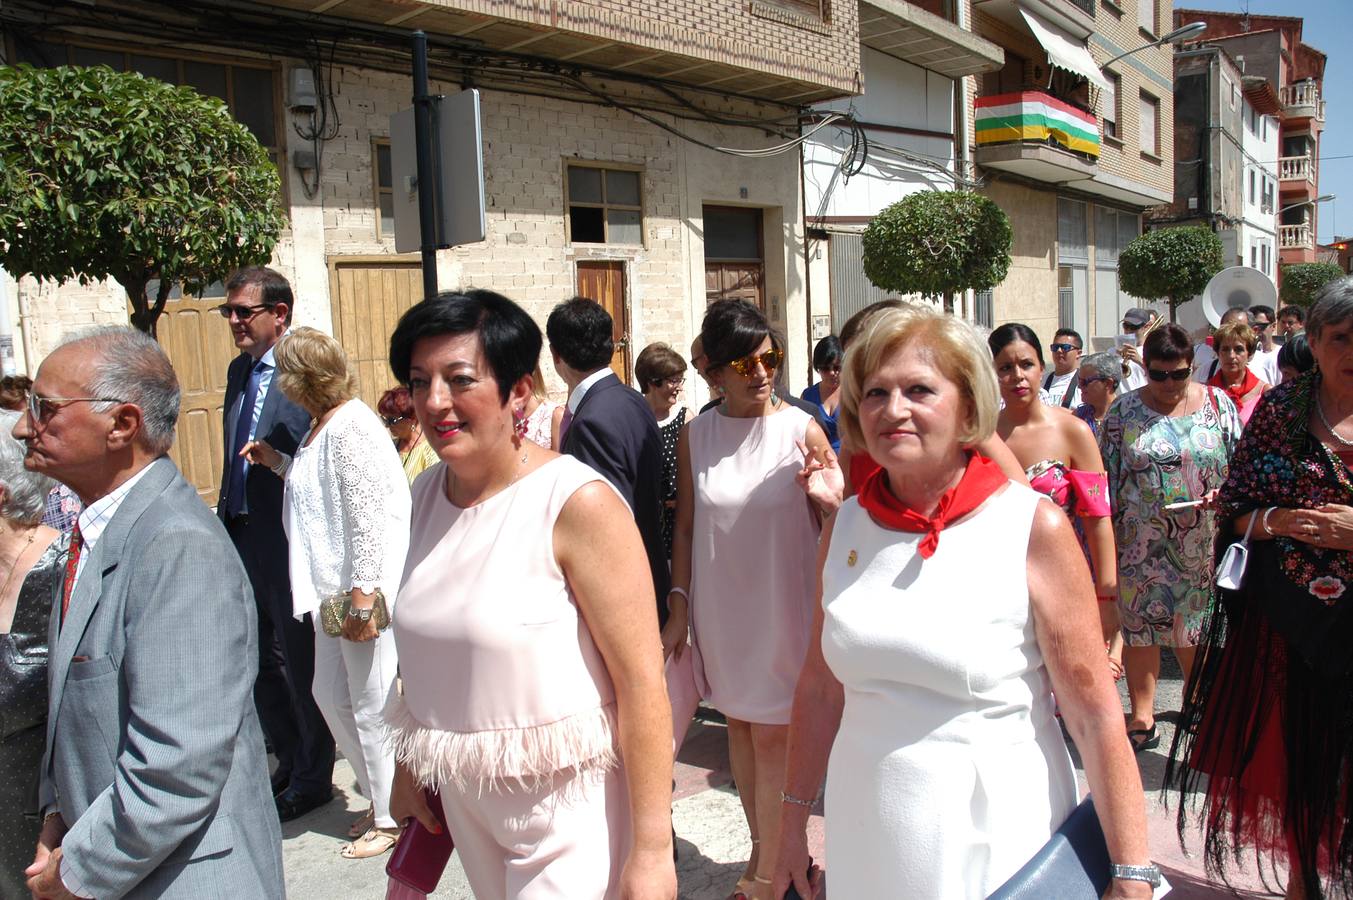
(1166, 444)
(743, 559)
(1061, 460)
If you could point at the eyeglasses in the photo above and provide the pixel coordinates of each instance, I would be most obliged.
(243, 313)
(1129, 328)
(43, 408)
(1173, 375)
(770, 360)
(392, 422)
(1064, 348)
(1086, 382)
(675, 381)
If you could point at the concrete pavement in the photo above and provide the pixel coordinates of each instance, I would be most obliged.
(712, 833)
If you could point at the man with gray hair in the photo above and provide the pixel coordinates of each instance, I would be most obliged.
(154, 781)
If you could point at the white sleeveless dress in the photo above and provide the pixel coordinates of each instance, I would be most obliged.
(949, 770)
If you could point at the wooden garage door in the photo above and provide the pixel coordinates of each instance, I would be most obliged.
(368, 297)
(198, 343)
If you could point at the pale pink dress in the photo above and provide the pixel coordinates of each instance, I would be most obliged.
(507, 706)
(753, 562)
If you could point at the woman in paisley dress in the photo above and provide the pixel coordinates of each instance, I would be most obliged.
(1163, 444)
(1268, 724)
(1061, 460)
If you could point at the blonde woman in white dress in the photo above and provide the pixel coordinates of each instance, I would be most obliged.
(952, 604)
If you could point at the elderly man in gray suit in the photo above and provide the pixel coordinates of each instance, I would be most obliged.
(154, 782)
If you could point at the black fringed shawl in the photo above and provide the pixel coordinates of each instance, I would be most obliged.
(1274, 662)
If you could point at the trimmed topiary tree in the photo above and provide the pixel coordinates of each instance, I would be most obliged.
(1302, 281)
(106, 174)
(1170, 264)
(935, 243)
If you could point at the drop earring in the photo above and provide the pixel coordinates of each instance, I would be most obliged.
(519, 423)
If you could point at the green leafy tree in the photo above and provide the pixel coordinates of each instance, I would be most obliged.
(108, 174)
(936, 243)
(1170, 264)
(1302, 281)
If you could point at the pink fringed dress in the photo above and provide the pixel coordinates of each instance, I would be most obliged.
(507, 707)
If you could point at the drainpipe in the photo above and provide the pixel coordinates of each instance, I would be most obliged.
(807, 261)
(962, 152)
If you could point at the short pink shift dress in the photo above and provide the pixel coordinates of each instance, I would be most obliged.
(507, 706)
(753, 562)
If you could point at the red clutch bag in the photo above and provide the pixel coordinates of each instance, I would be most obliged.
(420, 857)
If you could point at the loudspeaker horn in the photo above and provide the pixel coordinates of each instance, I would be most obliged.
(1238, 287)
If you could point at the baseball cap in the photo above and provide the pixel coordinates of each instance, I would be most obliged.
(1137, 316)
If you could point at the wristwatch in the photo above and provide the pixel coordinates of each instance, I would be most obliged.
(356, 612)
(1149, 873)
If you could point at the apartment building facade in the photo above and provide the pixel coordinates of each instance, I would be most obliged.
(909, 134)
(1272, 48)
(1073, 138)
(614, 139)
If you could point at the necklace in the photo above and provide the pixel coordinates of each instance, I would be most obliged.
(14, 566)
(1320, 409)
(451, 485)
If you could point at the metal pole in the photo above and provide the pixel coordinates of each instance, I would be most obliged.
(427, 181)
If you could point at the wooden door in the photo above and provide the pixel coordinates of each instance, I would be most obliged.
(368, 297)
(198, 343)
(604, 282)
(735, 280)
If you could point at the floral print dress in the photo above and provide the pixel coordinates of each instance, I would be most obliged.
(1165, 557)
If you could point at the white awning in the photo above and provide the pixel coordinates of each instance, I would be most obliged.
(1064, 51)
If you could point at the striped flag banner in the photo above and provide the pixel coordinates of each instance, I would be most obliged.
(1034, 116)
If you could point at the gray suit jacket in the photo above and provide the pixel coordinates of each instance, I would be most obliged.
(154, 752)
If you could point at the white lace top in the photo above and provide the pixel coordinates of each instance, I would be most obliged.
(346, 511)
(540, 424)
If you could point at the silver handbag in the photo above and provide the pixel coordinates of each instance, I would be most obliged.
(1231, 569)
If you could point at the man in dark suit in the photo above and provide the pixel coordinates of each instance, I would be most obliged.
(258, 307)
(609, 425)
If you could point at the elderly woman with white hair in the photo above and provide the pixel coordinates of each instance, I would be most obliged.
(32, 557)
(346, 512)
(1099, 378)
(927, 694)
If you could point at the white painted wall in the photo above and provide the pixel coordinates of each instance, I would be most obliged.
(1257, 230)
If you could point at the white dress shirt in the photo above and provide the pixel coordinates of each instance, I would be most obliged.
(575, 398)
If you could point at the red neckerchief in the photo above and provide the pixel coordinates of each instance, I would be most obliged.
(1250, 383)
(980, 480)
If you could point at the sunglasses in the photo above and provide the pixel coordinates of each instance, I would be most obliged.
(1261, 326)
(1129, 328)
(43, 408)
(770, 360)
(1172, 375)
(1064, 348)
(243, 313)
(1086, 382)
(391, 422)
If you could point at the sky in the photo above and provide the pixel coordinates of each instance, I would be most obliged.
(1328, 27)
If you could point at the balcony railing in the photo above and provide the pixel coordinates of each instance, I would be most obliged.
(1303, 100)
(1296, 237)
(1033, 117)
(1086, 6)
(1296, 168)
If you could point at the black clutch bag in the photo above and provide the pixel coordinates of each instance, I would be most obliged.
(1073, 865)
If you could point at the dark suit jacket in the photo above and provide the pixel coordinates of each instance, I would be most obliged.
(615, 433)
(282, 424)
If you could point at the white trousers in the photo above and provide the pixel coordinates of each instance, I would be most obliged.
(352, 682)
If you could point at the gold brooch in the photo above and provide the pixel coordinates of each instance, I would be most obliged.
(853, 558)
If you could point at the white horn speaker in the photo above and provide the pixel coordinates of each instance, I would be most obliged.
(1237, 287)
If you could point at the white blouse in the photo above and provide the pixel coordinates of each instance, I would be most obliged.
(346, 511)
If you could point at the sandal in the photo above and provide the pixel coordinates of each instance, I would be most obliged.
(1144, 738)
(375, 842)
(363, 824)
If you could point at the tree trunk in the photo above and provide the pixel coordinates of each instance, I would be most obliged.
(145, 316)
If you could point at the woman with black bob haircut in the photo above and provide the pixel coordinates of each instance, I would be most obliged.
(828, 356)
(1295, 358)
(743, 569)
(527, 591)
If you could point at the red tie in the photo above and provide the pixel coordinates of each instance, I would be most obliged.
(72, 566)
(564, 423)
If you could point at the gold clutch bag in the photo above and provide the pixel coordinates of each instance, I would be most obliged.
(333, 610)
